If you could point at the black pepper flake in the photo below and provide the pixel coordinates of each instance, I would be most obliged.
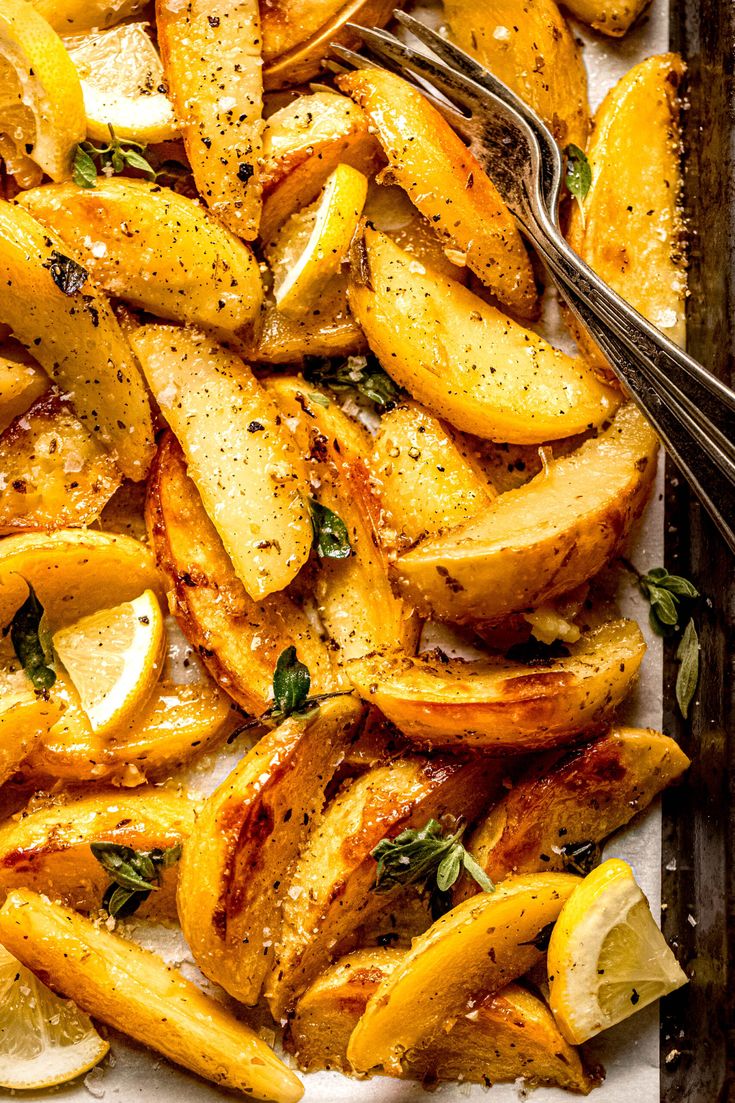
(68, 276)
(255, 427)
(244, 171)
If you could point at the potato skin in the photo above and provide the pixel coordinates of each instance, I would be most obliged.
(328, 329)
(611, 17)
(24, 719)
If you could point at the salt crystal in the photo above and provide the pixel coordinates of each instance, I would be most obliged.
(93, 1083)
(501, 34)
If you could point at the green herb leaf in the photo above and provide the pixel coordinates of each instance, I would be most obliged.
(68, 276)
(361, 374)
(30, 642)
(291, 682)
(90, 159)
(134, 874)
(84, 172)
(331, 539)
(669, 595)
(136, 160)
(687, 654)
(579, 173)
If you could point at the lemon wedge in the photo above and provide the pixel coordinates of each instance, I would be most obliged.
(124, 87)
(41, 103)
(607, 958)
(75, 16)
(114, 659)
(309, 249)
(44, 1040)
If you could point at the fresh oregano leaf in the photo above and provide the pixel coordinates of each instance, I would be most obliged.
(687, 655)
(29, 641)
(84, 171)
(291, 682)
(136, 160)
(331, 539)
(669, 596)
(68, 276)
(134, 874)
(361, 374)
(579, 173)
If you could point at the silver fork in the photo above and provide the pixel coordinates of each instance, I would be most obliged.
(693, 411)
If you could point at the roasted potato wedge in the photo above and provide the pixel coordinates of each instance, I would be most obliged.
(22, 382)
(242, 460)
(134, 991)
(499, 704)
(155, 249)
(476, 949)
(328, 329)
(354, 597)
(612, 17)
(463, 359)
(48, 848)
(591, 792)
(211, 53)
(389, 209)
(53, 473)
(508, 1035)
(25, 717)
(447, 184)
(636, 188)
(245, 841)
(542, 540)
(238, 640)
(329, 895)
(530, 48)
(53, 309)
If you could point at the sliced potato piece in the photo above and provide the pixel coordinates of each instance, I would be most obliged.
(329, 895)
(389, 209)
(22, 382)
(530, 47)
(25, 717)
(498, 704)
(543, 539)
(354, 597)
(238, 640)
(53, 472)
(48, 848)
(636, 188)
(242, 460)
(75, 337)
(613, 17)
(465, 360)
(328, 329)
(133, 991)
(477, 948)
(246, 838)
(211, 56)
(447, 184)
(154, 248)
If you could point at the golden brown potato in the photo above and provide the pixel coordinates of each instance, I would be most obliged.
(211, 53)
(542, 540)
(591, 792)
(529, 46)
(25, 717)
(477, 948)
(463, 359)
(53, 473)
(246, 838)
(499, 704)
(53, 309)
(508, 1035)
(389, 209)
(447, 184)
(613, 17)
(242, 459)
(238, 640)
(329, 895)
(354, 597)
(154, 248)
(48, 848)
(133, 991)
(22, 382)
(634, 154)
(328, 329)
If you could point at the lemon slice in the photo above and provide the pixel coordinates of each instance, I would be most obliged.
(123, 84)
(607, 958)
(41, 104)
(114, 659)
(44, 1040)
(309, 250)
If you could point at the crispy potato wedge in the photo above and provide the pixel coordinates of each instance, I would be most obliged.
(447, 184)
(77, 16)
(246, 839)
(211, 53)
(636, 189)
(583, 798)
(238, 640)
(25, 717)
(389, 209)
(477, 948)
(48, 848)
(154, 248)
(542, 540)
(135, 992)
(499, 704)
(326, 330)
(329, 895)
(242, 460)
(425, 480)
(53, 473)
(530, 48)
(22, 382)
(612, 17)
(75, 337)
(510, 1034)
(463, 359)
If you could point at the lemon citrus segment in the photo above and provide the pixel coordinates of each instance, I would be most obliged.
(44, 1040)
(607, 958)
(123, 84)
(114, 659)
(310, 249)
(41, 103)
(76, 16)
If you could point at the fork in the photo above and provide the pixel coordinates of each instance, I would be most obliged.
(692, 411)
